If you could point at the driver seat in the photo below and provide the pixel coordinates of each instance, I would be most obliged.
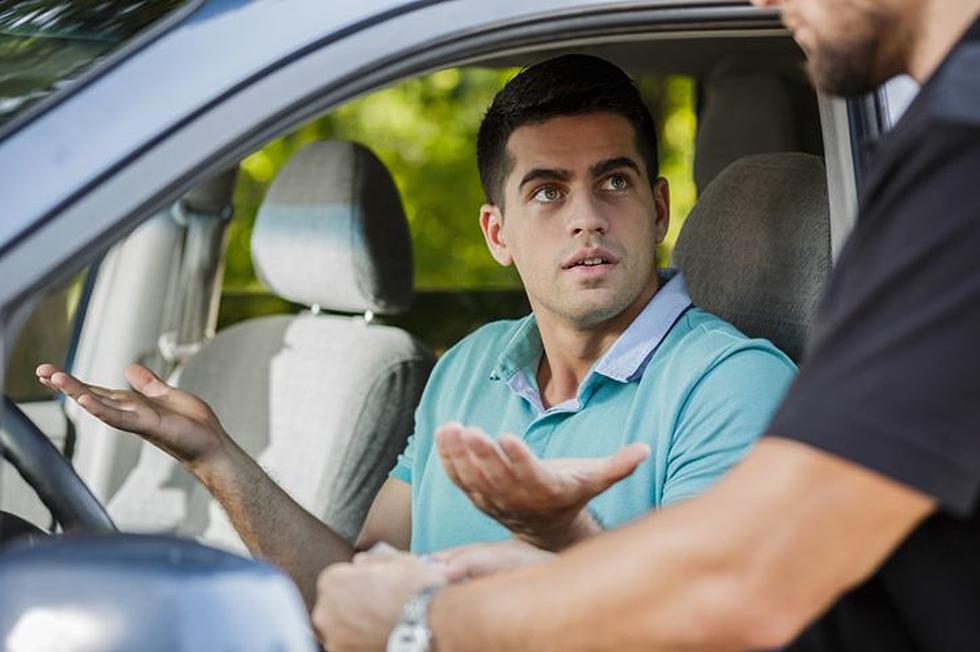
(323, 400)
(755, 249)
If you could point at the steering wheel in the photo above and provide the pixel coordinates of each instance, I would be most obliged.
(50, 474)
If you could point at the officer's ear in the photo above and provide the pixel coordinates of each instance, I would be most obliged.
(492, 225)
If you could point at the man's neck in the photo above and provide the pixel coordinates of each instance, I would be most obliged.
(570, 350)
(941, 24)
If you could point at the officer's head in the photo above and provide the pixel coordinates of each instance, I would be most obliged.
(853, 46)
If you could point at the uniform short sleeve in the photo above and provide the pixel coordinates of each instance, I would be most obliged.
(891, 381)
(723, 415)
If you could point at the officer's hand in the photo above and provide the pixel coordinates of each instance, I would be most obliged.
(479, 559)
(179, 423)
(358, 604)
(540, 501)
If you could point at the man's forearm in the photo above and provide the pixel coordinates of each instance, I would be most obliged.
(561, 537)
(273, 525)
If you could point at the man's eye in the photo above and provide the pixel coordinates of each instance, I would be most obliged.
(547, 195)
(616, 182)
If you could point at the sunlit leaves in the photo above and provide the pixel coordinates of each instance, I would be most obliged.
(424, 129)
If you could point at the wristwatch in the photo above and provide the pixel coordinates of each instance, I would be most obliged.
(412, 634)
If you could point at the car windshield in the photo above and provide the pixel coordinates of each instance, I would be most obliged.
(45, 45)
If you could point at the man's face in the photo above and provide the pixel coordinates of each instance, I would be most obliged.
(581, 222)
(852, 46)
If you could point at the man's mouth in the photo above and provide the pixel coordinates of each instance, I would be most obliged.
(590, 258)
(589, 262)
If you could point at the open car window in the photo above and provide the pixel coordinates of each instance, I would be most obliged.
(424, 129)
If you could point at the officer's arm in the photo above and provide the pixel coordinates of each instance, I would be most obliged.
(745, 566)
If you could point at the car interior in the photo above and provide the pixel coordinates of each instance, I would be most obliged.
(320, 383)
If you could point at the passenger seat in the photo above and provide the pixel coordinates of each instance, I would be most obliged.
(323, 400)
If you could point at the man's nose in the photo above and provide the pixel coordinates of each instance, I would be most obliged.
(586, 216)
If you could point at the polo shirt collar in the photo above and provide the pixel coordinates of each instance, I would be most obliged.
(629, 354)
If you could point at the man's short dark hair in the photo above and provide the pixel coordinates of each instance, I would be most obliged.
(569, 85)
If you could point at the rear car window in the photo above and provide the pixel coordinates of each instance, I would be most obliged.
(45, 45)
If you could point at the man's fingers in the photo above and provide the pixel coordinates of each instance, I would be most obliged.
(491, 462)
(456, 460)
(622, 463)
(145, 381)
(45, 371)
(112, 415)
(526, 467)
(449, 445)
(68, 385)
(625, 460)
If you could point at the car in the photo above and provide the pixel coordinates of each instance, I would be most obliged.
(119, 171)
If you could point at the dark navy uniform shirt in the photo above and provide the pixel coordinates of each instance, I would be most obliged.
(892, 377)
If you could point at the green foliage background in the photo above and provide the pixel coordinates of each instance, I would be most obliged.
(424, 129)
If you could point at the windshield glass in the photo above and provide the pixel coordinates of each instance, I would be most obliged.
(46, 44)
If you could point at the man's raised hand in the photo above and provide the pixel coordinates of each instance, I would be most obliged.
(539, 501)
(179, 423)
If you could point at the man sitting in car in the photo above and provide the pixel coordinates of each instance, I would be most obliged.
(614, 370)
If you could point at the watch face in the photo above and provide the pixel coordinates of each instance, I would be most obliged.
(409, 638)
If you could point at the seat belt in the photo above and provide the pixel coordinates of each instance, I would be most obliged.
(194, 292)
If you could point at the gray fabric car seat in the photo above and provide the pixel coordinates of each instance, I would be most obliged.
(749, 107)
(324, 402)
(756, 247)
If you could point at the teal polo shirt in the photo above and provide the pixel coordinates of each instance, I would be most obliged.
(683, 381)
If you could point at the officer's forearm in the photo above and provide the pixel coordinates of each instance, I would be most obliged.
(745, 566)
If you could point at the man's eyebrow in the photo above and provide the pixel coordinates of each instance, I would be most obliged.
(555, 174)
(604, 167)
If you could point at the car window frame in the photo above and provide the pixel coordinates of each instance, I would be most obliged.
(90, 217)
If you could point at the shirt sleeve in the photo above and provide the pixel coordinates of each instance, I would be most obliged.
(891, 381)
(723, 415)
(403, 466)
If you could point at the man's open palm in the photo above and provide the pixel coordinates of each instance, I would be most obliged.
(540, 501)
(179, 423)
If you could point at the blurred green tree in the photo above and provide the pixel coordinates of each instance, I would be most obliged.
(424, 129)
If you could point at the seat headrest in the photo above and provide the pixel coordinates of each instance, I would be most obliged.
(755, 249)
(332, 232)
(752, 107)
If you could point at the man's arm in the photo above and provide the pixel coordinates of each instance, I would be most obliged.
(277, 528)
(271, 524)
(747, 565)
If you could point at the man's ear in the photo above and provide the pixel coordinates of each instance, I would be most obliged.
(661, 202)
(492, 225)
